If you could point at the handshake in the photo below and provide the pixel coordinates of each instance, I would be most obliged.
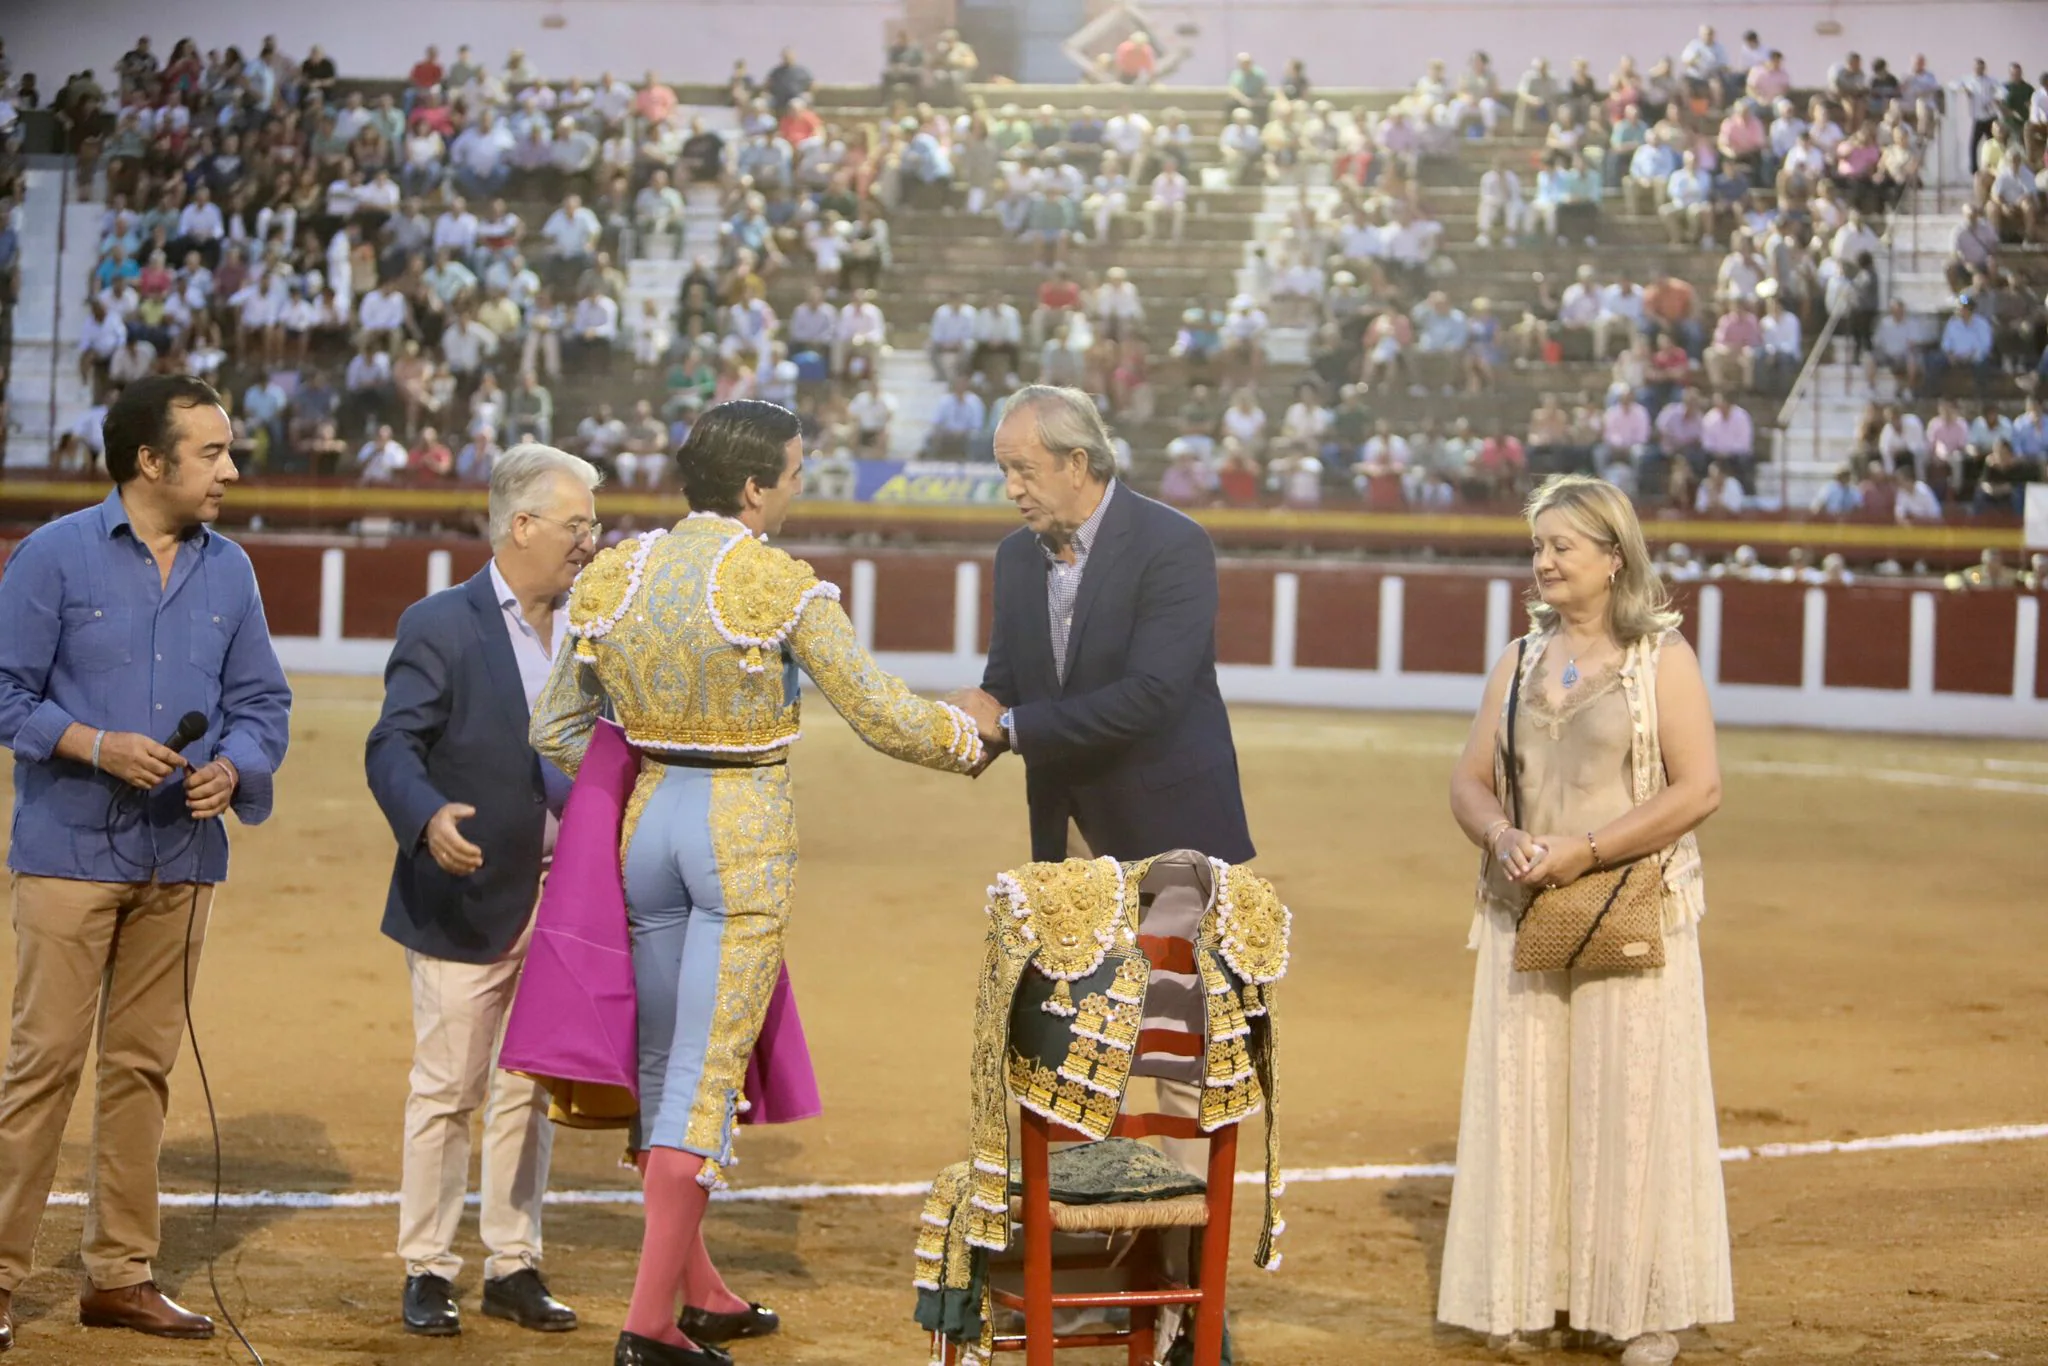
(987, 714)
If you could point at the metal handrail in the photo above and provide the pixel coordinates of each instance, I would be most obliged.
(1808, 375)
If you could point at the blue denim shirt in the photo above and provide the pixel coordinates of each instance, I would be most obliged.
(90, 632)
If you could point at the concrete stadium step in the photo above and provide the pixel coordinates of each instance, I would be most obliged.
(907, 378)
(50, 285)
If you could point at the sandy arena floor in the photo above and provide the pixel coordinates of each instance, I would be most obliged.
(1874, 955)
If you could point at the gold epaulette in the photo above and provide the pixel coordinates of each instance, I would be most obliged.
(757, 596)
(605, 589)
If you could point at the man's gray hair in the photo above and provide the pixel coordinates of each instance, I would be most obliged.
(1068, 421)
(520, 479)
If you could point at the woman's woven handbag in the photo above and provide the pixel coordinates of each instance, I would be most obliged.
(1610, 920)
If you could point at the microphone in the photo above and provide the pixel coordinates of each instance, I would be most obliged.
(191, 726)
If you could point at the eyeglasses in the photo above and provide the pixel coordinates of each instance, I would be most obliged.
(578, 529)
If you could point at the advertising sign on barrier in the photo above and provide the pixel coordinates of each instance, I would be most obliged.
(929, 484)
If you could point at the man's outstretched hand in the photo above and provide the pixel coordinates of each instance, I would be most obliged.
(987, 715)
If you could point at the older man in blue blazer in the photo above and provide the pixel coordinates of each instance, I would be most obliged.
(1102, 657)
(474, 810)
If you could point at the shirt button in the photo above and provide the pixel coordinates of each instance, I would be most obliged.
(96, 611)
(216, 621)
(159, 706)
(159, 659)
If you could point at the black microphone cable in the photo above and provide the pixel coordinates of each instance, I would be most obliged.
(190, 727)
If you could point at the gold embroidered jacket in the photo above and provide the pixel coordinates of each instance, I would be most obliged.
(1063, 943)
(694, 636)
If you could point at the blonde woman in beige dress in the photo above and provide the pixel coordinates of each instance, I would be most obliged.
(1588, 1195)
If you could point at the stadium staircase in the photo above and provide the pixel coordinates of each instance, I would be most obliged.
(40, 353)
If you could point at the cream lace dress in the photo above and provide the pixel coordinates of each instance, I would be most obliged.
(1589, 1169)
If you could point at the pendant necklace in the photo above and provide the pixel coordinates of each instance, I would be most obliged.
(1570, 677)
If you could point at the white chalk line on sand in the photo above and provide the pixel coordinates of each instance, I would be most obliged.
(900, 1190)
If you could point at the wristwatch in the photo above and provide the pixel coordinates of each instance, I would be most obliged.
(1008, 724)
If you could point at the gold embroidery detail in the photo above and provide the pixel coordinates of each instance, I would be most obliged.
(757, 596)
(1249, 925)
(644, 785)
(753, 841)
(1072, 913)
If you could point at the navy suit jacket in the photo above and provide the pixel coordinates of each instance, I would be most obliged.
(1135, 746)
(454, 729)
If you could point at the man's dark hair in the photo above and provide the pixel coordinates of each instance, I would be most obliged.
(732, 443)
(141, 416)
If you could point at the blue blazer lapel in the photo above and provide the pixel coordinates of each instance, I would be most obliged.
(1103, 560)
(500, 664)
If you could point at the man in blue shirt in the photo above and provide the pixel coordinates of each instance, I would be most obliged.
(115, 622)
(1966, 340)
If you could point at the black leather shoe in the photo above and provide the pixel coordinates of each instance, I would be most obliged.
(6, 1320)
(634, 1350)
(523, 1298)
(430, 1307)
(755, 1321)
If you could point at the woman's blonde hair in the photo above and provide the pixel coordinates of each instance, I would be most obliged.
(1638, 604)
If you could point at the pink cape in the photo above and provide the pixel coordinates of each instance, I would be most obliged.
(574, 1023)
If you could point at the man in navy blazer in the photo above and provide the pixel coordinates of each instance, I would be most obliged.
(1102, 657)
(474, 810)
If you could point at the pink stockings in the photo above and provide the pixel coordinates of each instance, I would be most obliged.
(675, 1267)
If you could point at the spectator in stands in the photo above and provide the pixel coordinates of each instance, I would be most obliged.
(862, 332)
(1168, 199)
(1688, 204)
(572, 231)
(1248, 90)
(950, 337)
(1728, 436)
(1731, 359)
(1535, 96)
(1966, 342)
(1973, 248)
(1624, 432)
(531, 409)
(998, 339)
(787, 80)
(956, 422)
(1650, 169)
(1720, 493)
(593, 331)
(1441, 336)
(1117, 310)
(474, 461)
(1780, 349)
(1242, 339)
(658, 211)
(1841, 497)
(1242, 148)
(2013, 205)
(871, 411)
(382, 460)
(1914, 499)
(1244, 421)
(1500, 203)
(430, 459)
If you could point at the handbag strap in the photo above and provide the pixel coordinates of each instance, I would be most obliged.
(1514, 705)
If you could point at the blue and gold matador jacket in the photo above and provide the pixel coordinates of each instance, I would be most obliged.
(695, 635)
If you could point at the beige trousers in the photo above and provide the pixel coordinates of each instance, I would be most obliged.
(458, 1016)
(105, 959)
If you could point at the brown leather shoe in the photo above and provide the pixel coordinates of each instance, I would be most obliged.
(6, 1319)
(144, 1309)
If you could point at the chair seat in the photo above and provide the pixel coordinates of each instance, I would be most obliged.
(1186, 1211)
(1118, 1183)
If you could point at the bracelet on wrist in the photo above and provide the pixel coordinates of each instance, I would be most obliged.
(1595, 845)
(98, 739)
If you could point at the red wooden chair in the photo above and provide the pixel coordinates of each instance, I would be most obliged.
(1172, 900)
